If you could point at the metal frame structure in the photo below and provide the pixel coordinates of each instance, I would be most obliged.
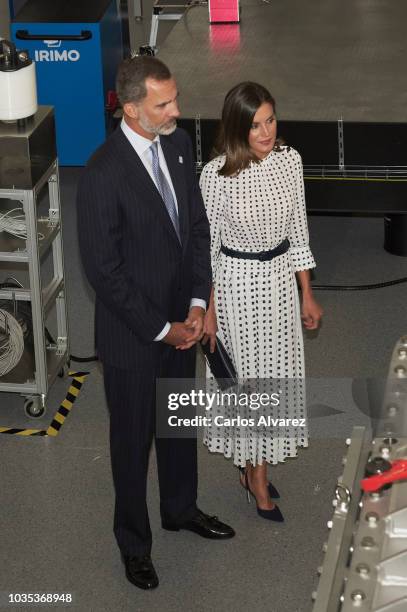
(158, 15)
(49, 359)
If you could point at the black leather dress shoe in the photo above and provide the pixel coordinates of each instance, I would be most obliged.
(205, 526)
(140, 572)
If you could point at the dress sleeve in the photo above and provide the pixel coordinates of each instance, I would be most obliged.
(300, 252)
(213, 197)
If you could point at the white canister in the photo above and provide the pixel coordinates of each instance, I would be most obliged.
(18, 87)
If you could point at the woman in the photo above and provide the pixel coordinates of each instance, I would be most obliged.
(254, 197)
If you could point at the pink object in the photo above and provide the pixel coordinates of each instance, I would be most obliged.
(224, 11)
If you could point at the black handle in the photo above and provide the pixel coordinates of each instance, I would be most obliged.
(24, 35)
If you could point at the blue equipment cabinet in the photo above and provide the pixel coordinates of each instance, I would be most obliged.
(77, 47)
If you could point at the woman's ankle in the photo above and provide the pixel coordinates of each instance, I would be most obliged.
(258, 475)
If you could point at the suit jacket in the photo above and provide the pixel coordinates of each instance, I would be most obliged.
(141, 274)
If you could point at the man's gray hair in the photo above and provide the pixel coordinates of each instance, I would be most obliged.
(132, 75)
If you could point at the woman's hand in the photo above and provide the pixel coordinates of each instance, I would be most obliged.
(311, 311)
(210, 328)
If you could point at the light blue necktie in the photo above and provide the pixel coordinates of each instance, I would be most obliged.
(164, 189)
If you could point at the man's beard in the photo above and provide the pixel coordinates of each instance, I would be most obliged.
(163, 129)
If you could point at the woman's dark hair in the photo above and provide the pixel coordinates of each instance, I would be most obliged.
(240, 105)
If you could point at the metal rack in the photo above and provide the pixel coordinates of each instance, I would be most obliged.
(38, 368)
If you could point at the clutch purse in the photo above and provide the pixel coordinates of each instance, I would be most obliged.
(220, 364)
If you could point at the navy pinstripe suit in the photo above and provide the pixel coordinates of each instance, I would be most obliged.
(143, 278)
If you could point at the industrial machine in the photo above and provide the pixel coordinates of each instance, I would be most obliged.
(365, 563)
(32, 287)
(76, 48)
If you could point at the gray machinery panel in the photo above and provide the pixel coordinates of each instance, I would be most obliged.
(27, 149)
(365, 564)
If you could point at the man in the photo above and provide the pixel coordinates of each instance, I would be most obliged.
(144, 239)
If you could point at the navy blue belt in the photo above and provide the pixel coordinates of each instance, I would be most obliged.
(280, 249)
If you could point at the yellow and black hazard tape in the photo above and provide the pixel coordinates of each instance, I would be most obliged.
(78, 378)
(23, 432)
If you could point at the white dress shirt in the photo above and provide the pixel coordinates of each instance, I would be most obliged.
(142, 146)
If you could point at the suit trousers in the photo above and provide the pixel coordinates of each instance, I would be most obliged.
(131, 401)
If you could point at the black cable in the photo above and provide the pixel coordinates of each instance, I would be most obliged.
(72, 357)
(83, 359)
(397, 281)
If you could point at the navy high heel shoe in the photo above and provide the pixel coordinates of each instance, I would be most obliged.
(270, 515)
(274, 494)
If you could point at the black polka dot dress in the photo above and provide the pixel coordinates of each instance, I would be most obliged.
(257, 303)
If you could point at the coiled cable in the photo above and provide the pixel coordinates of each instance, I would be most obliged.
(13, 222)
(11, 342)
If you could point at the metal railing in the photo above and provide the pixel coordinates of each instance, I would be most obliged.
(358, 173)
